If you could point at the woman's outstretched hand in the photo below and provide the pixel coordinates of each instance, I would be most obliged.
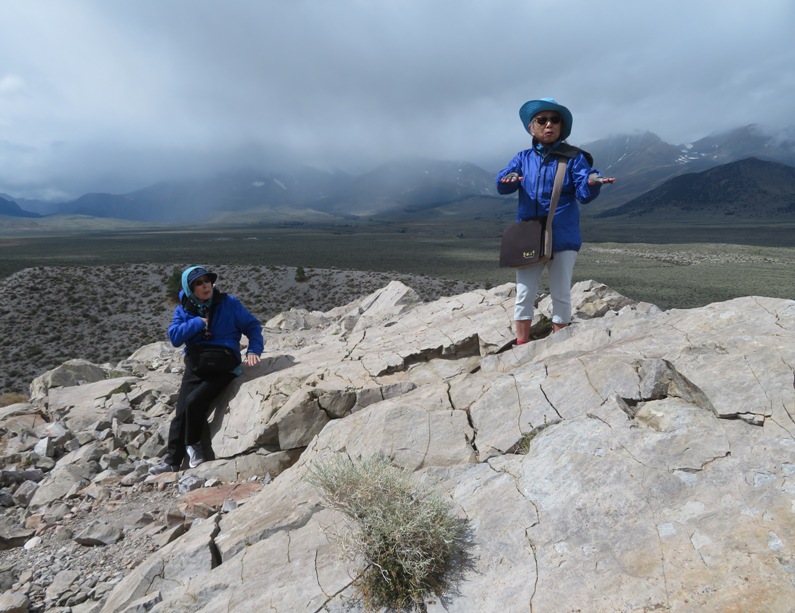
(252, 359)
(511, 177)
(595, 179)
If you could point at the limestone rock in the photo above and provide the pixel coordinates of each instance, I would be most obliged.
(297, 319)
(638, 460)
(589, 299)
(99, 533)
(633, 434)
(383, 305)
(70, 373)
(14, 603)
(24, 493)
(13, 535)
(170, 568)
(155, 353)
(62, 582)
(143, 604)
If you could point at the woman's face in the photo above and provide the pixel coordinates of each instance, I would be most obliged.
(542, 126)
(202, 288)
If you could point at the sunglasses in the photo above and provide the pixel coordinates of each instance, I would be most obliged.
(201, 281)
(542, 121)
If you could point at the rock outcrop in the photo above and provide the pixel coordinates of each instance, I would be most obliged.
(638, 460)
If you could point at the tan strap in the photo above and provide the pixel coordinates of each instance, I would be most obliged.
(560, 175)
(557, 186)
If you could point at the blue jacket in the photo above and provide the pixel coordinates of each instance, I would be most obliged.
(535, 190)
(229, 321)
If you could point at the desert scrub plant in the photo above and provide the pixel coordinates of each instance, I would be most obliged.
(8, 398)
(173, 285)
(523, 446)
(406, 534)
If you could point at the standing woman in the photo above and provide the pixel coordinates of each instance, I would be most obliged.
(210, 324)
(532, 173)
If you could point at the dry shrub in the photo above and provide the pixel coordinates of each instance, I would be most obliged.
(405, 533)
(10, 398)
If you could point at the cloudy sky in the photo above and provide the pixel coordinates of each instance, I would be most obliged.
(112, 96)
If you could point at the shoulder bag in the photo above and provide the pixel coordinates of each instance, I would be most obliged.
(529, 241)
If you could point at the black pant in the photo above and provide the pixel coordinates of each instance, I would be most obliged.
(190, 416)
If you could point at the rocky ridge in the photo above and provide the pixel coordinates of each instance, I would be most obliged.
(639, 460)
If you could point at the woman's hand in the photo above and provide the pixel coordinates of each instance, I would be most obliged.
(511, 177)
(252, 359)
(595, 179)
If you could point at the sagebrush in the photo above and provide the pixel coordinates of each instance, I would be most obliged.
(405, 533)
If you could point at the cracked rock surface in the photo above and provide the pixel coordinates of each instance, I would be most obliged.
(638, 460)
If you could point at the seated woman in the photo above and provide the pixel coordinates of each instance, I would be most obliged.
(210, 324)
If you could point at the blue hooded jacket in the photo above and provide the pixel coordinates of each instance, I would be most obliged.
(229, 321)
(537, 168)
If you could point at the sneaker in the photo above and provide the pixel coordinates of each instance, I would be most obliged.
(195, 455)
(163, 467)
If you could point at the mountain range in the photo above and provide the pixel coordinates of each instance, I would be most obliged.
(10, 208)
(747, 189)
(651, 174)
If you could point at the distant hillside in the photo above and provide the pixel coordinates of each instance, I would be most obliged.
(643, 161)
(745, 142)
(640, 162)
(750, 188)
(410, 185)
(198, 201)
(10, 208)
(302, 194)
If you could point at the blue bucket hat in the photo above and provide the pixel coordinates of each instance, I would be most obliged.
(532, 107)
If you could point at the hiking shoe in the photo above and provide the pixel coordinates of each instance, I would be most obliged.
(163, 467)
(195, 455)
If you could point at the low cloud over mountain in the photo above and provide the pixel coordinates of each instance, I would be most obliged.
(418, 186)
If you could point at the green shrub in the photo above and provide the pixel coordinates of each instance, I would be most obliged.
(405, 533)
(174, 285)
(124, 388)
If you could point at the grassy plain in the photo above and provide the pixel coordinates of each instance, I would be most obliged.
(675, 266)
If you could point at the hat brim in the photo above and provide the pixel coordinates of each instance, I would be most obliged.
(531, 108)
(190, 275)
(212, 275)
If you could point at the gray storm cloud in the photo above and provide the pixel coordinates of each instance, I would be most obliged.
(98, 96)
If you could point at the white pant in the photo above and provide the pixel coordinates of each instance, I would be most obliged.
(527, 282)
